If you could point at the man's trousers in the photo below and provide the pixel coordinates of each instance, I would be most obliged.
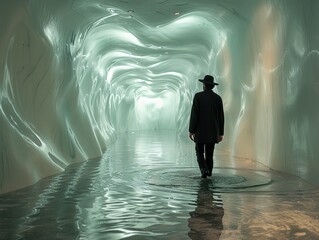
(204, 153)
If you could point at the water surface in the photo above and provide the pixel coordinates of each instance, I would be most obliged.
(147, 186)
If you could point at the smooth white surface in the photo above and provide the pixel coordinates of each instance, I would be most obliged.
(74, 74)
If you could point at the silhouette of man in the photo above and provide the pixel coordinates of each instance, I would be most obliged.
(206, 127)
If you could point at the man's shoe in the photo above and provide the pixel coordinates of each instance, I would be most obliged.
(209, 174)
(204, 175)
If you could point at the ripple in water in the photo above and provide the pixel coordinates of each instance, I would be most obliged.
(189, 177)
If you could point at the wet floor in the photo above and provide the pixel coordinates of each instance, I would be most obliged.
(147, 186)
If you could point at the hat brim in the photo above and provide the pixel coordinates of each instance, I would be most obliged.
(202, 80)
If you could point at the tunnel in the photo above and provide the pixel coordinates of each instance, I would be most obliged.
(77, 76)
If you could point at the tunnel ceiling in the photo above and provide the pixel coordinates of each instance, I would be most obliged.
(142, 59)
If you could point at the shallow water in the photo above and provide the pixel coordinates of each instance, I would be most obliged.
(147, 186)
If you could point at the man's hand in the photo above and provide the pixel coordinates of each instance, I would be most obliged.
(192, 136)
(220, 138)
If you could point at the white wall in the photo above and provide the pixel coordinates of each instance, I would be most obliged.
(74, 74)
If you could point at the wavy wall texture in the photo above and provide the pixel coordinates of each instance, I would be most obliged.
(74, 74)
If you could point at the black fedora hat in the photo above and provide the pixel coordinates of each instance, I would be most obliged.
(208, 79)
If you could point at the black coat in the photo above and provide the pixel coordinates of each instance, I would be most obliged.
(207, 117)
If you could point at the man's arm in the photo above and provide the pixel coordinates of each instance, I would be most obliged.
(193, 119)
(221, 121)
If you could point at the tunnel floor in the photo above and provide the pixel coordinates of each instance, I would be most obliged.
(147, 186)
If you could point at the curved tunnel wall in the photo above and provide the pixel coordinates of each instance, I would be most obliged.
(75, 74)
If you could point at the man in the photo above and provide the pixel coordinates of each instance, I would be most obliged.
(206, 127)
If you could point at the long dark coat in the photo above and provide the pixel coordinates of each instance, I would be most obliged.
(207, 117)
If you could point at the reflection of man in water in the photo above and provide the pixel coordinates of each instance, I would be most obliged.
(206, 125)
(206, 221)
